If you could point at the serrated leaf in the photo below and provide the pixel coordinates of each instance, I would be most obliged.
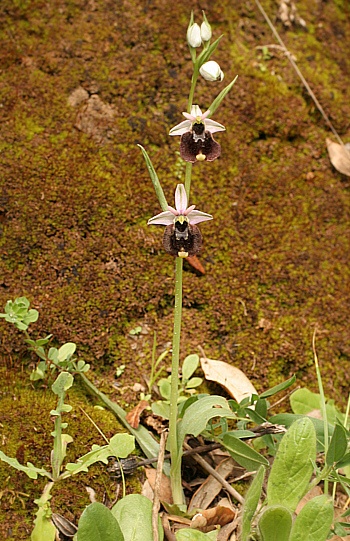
(134, 515)
(243, 453)
(314, 520)
(97, 523)
(251, 502)
(292, 467)
(275, 524)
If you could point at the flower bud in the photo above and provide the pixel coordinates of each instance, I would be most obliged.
(205, 31)
(194, 36)
(210, 71)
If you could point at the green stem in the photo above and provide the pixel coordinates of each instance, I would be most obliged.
(193, 86)
(175, 472)
(323, 405)
(188, 176)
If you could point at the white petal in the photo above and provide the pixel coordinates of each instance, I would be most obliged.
(181, 128)
(164, 218)
(180, 198)
(196, 216)
(195, 111)
(212, 126)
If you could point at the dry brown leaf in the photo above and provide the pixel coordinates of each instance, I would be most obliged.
(219, 515)
(133, 417)
(165, 486)
(231, 378)
(206, 493)
(195, 263)
(147, 490)
(340, 158)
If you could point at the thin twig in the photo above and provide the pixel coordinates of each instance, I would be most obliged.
(156, 499)
(216, 475)
(301, 77)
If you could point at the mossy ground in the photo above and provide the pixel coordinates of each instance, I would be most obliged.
(74, 207)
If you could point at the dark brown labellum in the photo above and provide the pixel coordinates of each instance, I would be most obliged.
(199, 147)
(182, 239)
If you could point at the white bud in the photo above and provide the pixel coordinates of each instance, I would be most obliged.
(194, 36)
(205, 31)
(211, 71)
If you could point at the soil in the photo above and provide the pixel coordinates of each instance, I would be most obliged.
(82, 83)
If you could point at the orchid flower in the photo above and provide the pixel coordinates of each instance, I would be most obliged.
(181, 237)
(197, 142)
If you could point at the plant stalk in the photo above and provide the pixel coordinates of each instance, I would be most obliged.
(175, 472)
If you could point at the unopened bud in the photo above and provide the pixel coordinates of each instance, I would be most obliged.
(211, 71)
(205, 31)
(194, 36)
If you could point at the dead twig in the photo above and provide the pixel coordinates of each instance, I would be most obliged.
(217, 476)
(156, 501)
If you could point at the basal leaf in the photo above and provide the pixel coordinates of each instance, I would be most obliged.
(97, 523)
(29, 470)
(134, 516)
(292, 467)
(251, 502)
(275, 524)
(314, 520)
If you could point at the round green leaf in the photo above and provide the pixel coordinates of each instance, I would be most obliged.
(97, 523)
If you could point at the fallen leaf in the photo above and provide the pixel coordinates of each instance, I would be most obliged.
(195, 263)
(206, 493)
(147, 490)
(133, 416)
(340, 158)
(165, 494)
(231, 378)
(219, 515)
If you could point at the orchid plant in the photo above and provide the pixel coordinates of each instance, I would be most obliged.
(182, 237)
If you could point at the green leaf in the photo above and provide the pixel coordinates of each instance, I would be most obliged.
(29, 470)
(161, 408)
(97, 523)
(337, 446)
(120, 445)
(155, 180)
(287, 419)
(44, 530)
(344, 462)
(243, 453)
(165, 388)
(220, 97)
(275, 524)
(66, 350)
(206, 53)
(303, 401)
(189, 534)
(189, 366)
(314, 520)
(43, 341)
(251, 502)
(261, 408)
(63, 382)
(292, 467)
(193, 383)
(145, 440)
(280, 387)
(134, 516)
(31, 317)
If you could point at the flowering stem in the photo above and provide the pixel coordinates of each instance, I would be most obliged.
(188, 176)
(193, 86)
(175, 472)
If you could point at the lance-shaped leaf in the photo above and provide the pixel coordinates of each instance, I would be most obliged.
(243, 453)
(221, 96)
(337, 446)
(251, 502)
(292, 467)
(155, 180)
